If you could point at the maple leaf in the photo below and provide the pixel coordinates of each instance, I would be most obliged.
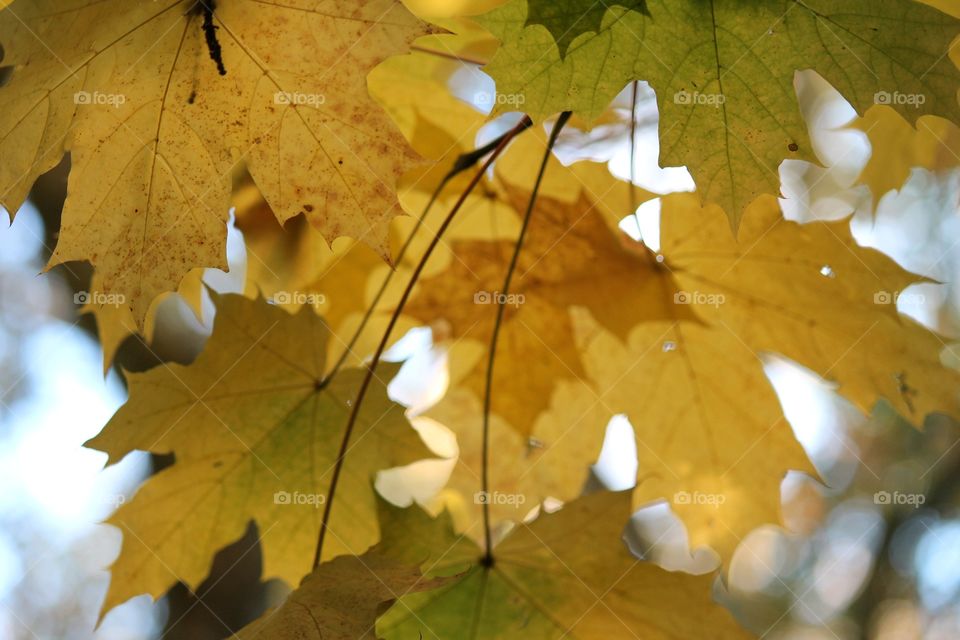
(341, 599)
(154, 127)
(115, 322)
(723, 73)
(565, 437)
(565, 575)
(253, 425)
(711, 435)
(566, 21)
(570, 247)
(293, 266)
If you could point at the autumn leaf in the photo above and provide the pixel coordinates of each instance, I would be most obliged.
(711, 436)
(293, 266)
(571, 246)
(723, 73)
(565, 575)
(341, 599)
(569, 20)
(552, 462)
(155, 117)
(115, 322)
(255, 429)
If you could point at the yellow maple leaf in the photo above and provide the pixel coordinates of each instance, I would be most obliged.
(711, 437)
(255, 429)
(554, 462)
(158, 102)
(571, 246)
(115, 322)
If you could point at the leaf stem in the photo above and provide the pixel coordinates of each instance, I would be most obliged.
(633, 154)
(487, 560)
(371, 368)
(448, 55)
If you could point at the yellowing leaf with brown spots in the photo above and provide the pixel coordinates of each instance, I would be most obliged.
(711, 436)
(154, 129)
(255, 429)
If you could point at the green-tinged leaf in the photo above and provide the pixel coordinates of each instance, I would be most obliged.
(255, 434)
(565, 575)
(566, 21)
(723, 71)
(341, 600)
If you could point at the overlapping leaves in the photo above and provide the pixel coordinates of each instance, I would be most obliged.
(723, 72)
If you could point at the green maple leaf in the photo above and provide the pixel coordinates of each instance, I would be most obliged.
(255, 430)
(568, 20)
(724, 73)
(565, 575)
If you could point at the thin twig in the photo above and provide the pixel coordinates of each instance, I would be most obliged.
(448, 55)
(633, 155)
(488, 389)
(371, 368)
